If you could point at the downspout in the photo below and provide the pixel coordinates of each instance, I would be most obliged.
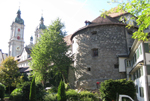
(147, 90)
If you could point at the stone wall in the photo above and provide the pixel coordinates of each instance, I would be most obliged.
(110, 40)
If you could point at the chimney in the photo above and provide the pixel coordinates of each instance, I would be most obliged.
(87, 23)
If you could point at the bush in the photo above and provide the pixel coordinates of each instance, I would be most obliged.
(32, 96)
(26, 90)
(11, 88)
(87, 99)
(53, 90)
(61, 95)
(2, 91)
(16, 95)
(87, 95)
(50, 97)
(41, 92)
(72, 95)
(110, 88)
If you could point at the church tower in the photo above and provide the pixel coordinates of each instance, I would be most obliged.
(39, 29)
(16, 42)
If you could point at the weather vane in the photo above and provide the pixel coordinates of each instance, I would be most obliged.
(19, 5)
(42, 12)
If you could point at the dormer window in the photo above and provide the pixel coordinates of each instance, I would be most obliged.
(95, 52)
(94, 32)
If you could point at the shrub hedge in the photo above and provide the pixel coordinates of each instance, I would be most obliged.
(50, 97)
(87, 95)
(111, 88)
(16, 95)
(2, 90)
(72, 95)
(32, 96)
(25, 87)
(61, 95)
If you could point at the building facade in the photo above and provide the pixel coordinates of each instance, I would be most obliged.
(98, 48)
(138, 68)
(2, 56)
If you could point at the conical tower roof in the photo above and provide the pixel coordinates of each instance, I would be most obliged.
(104, 20)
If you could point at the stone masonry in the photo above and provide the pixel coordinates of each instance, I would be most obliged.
(110, 40)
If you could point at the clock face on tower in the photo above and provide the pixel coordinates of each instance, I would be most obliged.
(18, 48)
(18, 37)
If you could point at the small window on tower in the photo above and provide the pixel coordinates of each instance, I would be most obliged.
(130, 32)
(95, 52)
(88, 69)
(94, 32)
(116, 66)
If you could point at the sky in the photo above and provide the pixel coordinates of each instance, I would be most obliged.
(73, 13)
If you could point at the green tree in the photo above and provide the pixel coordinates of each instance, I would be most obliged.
(2, 91)
(50, 54)
(110, 89)
(141, 11)
(9, 72)
(32, 96)
(61, 95)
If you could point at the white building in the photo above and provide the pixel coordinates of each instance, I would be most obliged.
(16, 42)
(2, 56)
(138, 68)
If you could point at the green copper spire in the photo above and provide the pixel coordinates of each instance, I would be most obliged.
(42, 26)
(18, 18)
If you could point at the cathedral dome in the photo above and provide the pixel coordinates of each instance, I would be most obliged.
(42, 26)
(18, 18)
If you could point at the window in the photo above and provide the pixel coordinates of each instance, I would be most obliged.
(139, 74)
(137, 53)
(140, 50)
(116, 66)
(136, 88)
(128, 63)
(88, 69)
(141, 91)
(134, 76)
(95, 52)
(141, 71)
(94, 32)
(130, 32)
(129, 49)
(135, 57)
